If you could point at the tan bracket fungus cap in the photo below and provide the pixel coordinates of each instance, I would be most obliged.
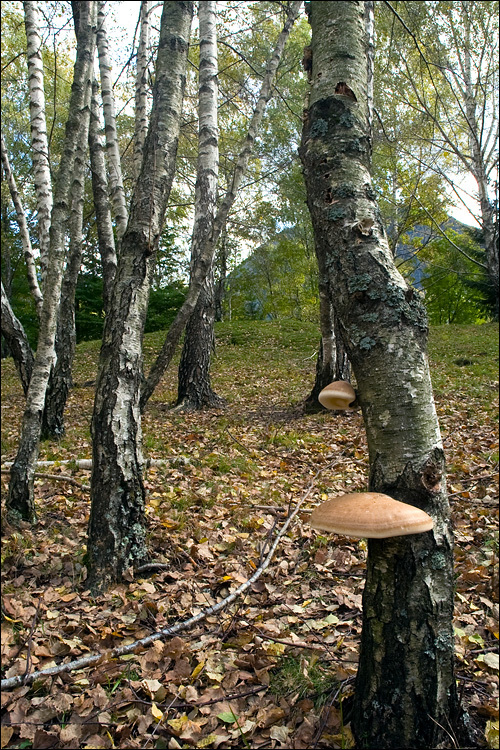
(337, 395)
(369, 515)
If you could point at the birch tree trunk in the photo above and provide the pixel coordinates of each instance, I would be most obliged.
(17, 342)
(116, 538)
(61, 379)
(141, 86)
(479, 146)
(194, 387)
(105, 236)
(23, 231)
(332, 362)
(204, 261)
(20, 501)
(220, 284)
(405, 688)
(39, 142)
(117, 190)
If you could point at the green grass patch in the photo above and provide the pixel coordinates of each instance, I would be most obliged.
(303, 676)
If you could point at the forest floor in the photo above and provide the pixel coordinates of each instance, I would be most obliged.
(274, 669)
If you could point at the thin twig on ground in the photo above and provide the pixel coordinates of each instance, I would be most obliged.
(137, 646)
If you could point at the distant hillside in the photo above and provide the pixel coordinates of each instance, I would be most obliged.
(278, 280)
(420, 235)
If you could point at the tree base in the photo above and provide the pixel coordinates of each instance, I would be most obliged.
(197, 402)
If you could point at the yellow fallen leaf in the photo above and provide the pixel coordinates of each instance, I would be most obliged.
(7, 733)
(206, 741)
(196, 671)
(178, 725)
(492, 733)
(157, 714)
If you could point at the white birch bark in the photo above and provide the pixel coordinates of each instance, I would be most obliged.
(194, 369)
(142, 86)
(39, 141)
(204, 262)
(23, 231)
(20, 501)
(117, 519)
(117, 190)
(60, 380)
(479, 135)
(105, 236)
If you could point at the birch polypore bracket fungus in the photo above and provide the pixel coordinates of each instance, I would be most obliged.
(338, 395)
(369, 515)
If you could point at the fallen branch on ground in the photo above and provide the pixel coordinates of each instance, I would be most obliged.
(57, 477)
(137, 646)
(86, 463)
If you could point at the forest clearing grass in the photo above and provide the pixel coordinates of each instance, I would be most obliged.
(228, 479)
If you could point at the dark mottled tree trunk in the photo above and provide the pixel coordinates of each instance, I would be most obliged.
(17, 342)
(332, 362)
(220, 284)
(116, 538)
(405, 693)
(195, 389)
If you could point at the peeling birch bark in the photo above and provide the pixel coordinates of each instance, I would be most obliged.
(405, 688)
(116, 538)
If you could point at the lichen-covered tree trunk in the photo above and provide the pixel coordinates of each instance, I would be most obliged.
(20, 500)
(194, 387)
(405, 692)
(17, 342)
(117, 191)
(116, 538)
(104, 224)
(39, 141)
(204, 260)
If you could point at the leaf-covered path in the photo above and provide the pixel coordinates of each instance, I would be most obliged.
(276, 667)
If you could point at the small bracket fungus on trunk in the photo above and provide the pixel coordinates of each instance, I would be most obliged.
(369, 515)
(338, 395)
